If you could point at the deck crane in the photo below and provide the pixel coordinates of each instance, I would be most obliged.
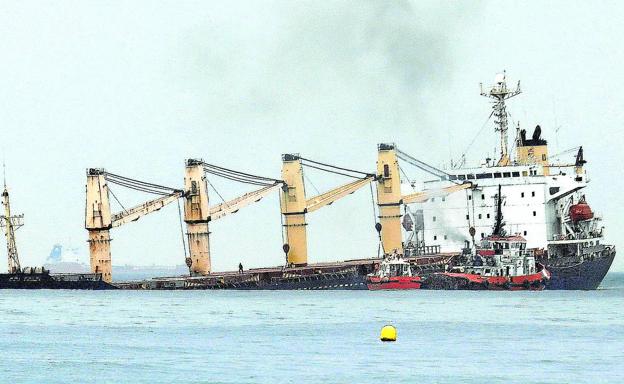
(99, 219)
(390, 198)
(11, 223)
(295, 205)
(198, 213)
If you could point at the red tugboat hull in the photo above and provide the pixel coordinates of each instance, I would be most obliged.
(535, 281)
(375, 283)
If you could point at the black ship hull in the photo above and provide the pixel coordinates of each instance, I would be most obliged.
(351, 280)
(45, 280)
(585, 275)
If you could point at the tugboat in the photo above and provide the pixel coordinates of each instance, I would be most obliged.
(394, 273)
(500, 262)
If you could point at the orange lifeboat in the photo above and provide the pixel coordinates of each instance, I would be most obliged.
(581, 211)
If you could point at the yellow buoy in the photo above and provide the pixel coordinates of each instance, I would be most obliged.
(388, 333)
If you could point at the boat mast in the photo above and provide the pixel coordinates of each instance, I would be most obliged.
(499, 224)
(499, 93)
(10, 224)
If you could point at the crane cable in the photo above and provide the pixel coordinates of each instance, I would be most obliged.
(411, 183)
(238, 176)
(379, 245)
(238, 172)
(478, 134)
(216, 191)
(117, 200)
(137, 188)
(330, 171)
(424, 166)
(145, 184)
(138, 185)
(333, 168)
(182, 230)
(239, 179)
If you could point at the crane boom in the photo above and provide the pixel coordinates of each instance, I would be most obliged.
(135, 213)
(337, 193)
(234, 205)
(420, 197)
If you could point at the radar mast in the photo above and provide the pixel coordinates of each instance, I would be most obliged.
(499, 93)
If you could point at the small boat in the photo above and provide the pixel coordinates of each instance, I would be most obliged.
(501, 262)
(394, 273)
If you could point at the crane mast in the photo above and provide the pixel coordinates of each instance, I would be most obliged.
(99, 219)
(196, 217)
(10, 225)
(390, 199)
(294, 205)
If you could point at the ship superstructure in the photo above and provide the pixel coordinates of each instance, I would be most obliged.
(540, 197)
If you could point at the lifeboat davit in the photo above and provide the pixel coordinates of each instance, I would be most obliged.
(581, 211)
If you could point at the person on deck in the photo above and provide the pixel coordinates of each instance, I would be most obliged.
(240, 267)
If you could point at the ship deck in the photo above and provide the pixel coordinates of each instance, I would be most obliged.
(256, 278)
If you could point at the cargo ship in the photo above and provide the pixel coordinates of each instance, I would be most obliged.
(429, 224)
(19, 277)
(545, 203)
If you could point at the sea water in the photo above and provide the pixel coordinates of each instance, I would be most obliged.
(313, 336)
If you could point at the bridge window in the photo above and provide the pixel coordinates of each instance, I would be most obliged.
(461, 177)
(470, 176)
(506, 174)
(553, 190)
(386, 170)
(515, 174)
(484, 176)
(453, 177)
(497, 175)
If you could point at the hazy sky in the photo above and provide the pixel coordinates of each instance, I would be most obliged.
(137, 87)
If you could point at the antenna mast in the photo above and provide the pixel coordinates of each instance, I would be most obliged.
(499, 93)
(10, 224)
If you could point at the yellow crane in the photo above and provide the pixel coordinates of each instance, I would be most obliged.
(99, 219)
(198, 213)
(390, 199)
(295, 205)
